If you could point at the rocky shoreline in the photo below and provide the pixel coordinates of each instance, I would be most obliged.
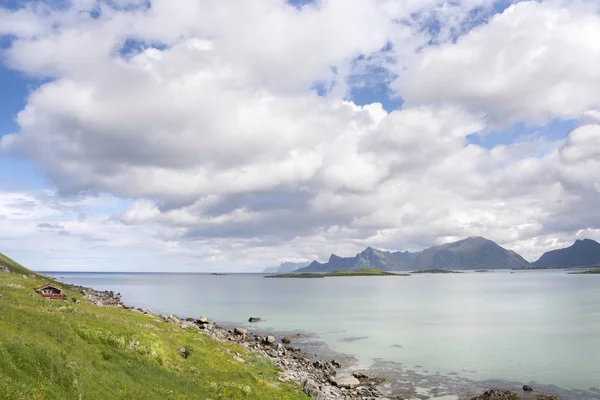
(320, 379)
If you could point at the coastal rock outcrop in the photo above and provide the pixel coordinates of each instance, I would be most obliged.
(102, 298)
(495, 394)
(240, 331)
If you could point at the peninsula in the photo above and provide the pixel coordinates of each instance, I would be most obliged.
(339, 273)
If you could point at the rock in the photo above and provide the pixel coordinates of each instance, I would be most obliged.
(272, 353)
(183, 352)
(254, 319)
(1, 296)
(495, 394)
(286, 340)
(269, 339)
(359, 375)
(527, 388)
(346, 382)
(279, 347)
(202, 320)
(314, 390)
(240, 331)
(239, 359)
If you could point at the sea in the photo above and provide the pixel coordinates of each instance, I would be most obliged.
(433, 336)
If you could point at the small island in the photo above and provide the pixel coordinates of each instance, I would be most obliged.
(436, 271)
(587, 272)
(359, 272)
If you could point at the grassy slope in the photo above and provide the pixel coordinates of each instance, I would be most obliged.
(360, 272)
(13, 266)
(54, 349)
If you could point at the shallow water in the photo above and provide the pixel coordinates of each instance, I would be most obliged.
(540, 327)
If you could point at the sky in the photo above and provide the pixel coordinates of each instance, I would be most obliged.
(171, 135)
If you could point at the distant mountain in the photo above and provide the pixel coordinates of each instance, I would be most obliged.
(469, 253)
(285, 268)
(582, 253)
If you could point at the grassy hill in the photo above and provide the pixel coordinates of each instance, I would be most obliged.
(55, 349)
(12, 266)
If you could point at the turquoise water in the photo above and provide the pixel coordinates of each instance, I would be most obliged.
(526, 326)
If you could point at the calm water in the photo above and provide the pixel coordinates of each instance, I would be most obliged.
(528, 326)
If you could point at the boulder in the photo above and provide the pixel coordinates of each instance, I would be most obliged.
(269, 339)
(183, 352)
(346, 382)
(315, 391)
(527, 388)
(202, 320)
(240, 331)
(286, 340)
(254, 319)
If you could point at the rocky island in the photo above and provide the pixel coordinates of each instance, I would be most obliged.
(339, 273)
(435, 271)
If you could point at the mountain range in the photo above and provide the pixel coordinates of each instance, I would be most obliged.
(285, 267)
(468, 254)
(582, 253)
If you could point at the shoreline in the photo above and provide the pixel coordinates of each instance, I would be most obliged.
(324, 379)
(318, 378)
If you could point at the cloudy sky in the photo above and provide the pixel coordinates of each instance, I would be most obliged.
(209, 135)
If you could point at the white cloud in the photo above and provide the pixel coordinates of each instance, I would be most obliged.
(229, 160)
(533, 62)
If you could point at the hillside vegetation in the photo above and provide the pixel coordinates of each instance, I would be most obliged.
(9, 265)
(56, 349)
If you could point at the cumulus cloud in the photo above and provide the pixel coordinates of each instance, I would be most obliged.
(533, 62)
(190, 131)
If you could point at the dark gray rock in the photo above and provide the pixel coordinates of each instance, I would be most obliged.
(527, 388)
(286, 340)
(240, 331)
(314, 390)
(254, 319)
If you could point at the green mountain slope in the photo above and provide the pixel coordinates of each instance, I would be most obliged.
(9, 265)
(71, 349)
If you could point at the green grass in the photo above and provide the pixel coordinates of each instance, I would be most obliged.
(436, 271)
(360, 272)
(13, 266)
(56, 349)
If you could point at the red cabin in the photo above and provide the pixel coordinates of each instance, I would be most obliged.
(51, 292)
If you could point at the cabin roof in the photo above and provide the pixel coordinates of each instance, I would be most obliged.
(49, 286)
